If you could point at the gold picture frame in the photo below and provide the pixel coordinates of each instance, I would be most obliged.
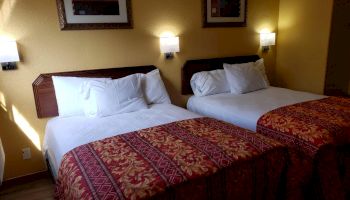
(224, 13)
(94, 14)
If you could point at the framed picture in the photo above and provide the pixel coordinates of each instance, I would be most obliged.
(94, 14)
(224, 13)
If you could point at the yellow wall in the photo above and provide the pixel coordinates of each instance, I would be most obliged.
(302, 45)
(44, 48)
(338, 70)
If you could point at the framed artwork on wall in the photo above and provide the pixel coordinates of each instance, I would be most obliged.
(224, 13)
(94, 14)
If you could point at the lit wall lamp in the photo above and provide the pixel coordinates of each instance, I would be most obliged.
(169, 45)
(267, 40)
(8, 55)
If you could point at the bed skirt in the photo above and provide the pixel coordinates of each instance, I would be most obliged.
(318, 134)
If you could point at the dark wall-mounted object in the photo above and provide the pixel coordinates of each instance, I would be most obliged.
(233, 9)
(8, 66)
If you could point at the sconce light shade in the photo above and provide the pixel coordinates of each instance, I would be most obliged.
(8, 55)
(267, 39)
(169, 45)
(8, 52)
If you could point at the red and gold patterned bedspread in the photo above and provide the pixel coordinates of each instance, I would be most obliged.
(318, 133)
(198, 158)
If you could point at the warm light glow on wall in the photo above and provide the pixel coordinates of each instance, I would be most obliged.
(5, 38)
(6, 8)
(27, 129)
(2, 162)
(167, 34)
(3, 101)
(265, 30)
(159, 30)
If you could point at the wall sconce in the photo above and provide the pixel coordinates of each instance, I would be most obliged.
(267, 40)
(8, 55)
(169, 46)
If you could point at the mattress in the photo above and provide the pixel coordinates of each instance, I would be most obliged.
(64, 134)
(244, 110)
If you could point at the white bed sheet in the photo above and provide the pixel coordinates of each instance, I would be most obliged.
(244, 110)
(64, 134)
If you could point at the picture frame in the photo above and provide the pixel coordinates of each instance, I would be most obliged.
(94, 14)
(224, 13)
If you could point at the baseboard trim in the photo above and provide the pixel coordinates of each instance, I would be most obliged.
(25, 179)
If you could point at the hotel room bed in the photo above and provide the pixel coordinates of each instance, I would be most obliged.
(245, 110)
(315, 127)
(163, 152)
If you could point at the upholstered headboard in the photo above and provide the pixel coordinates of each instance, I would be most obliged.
(193, 66)
(44, 93)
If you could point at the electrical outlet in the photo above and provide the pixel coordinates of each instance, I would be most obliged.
(26, 153)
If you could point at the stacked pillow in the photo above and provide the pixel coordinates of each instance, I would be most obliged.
(105, 98)
(100, 97)
(68, 98)
(234, 78)
(153, 88)
(209, 82)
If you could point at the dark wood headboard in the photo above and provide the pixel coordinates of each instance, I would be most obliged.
(193, 66)
(44, 92)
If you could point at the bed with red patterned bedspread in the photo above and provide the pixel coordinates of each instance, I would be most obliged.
(318, 134)
(198, 158)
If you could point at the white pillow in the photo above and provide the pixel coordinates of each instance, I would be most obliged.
(154, 89)
(67, 91)
(105, 98)
(259, 64)
(244, 78)
(209, 83)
